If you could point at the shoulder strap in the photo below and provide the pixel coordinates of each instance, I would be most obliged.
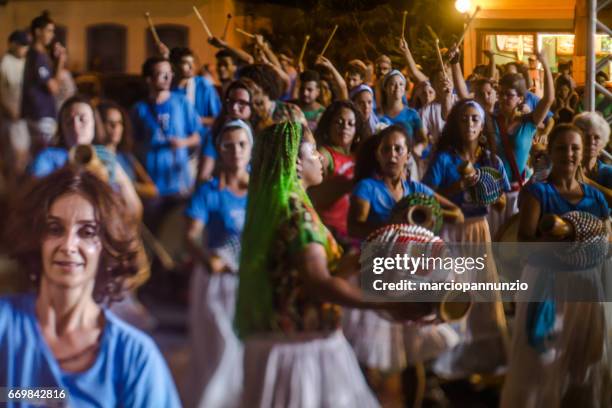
(509, 153)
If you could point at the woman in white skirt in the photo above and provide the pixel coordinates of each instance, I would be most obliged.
(216, 213)
(484, 338)
(380, 345)
(560, 353)
(291, 287)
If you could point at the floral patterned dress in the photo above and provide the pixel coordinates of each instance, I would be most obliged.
(295, 310)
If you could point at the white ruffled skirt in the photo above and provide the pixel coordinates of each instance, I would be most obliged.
(484, 342)
(575, 368)
(307, 370)
(377, 342)
(217, 357)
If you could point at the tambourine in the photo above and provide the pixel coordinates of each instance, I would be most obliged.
(419, 209)
(489, 187)
(587, 232)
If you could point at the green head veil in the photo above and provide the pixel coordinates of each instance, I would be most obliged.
(273, 178)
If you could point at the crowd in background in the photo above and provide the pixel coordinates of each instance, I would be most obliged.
(282, 171)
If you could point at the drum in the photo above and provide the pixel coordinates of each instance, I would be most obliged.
(419, 209)
(489, 188)
(414, 241)
(590, 241)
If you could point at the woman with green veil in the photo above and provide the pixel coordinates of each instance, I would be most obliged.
(290, 290)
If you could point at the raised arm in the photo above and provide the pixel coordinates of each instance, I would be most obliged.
(491, 66)
(338, 84)
(458, 80)
(237, 52)
(265, 47)
(542, 108)
(415, 73)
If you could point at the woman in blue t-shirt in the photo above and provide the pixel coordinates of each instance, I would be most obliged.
(514, 130)
(461, 142)
(382, 183)
(72, 236)
(119, 141)
(395, 112)
(485, 325)
(216, 213)
(551, 334)
(380, 170)
(80, 124)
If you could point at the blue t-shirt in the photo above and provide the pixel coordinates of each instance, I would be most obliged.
(552, 202)
(221, 211)
(442, 172)
(520, 143)
(408, 117)
(37, 101)
(208, 144)
(375, 192)
(125, 160)
(604, 174)
(154, 126)
(207, 102)
(47, 161)
(129, 370)
(54, 158)
(532, 101)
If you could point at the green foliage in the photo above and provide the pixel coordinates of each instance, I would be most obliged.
(368, 29)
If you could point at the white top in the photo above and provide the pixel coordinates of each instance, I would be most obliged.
(431, 116)
(11, 81)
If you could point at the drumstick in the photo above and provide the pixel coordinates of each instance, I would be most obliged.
(164, 257)
(152, 28)
(431, 32)
(199, 16)
(440, 59)
(303, 51)
(329, 40)
(404, 23)
(227, 22)
(467, 26)
(241, 31)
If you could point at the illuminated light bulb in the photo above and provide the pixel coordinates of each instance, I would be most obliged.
(463, 6)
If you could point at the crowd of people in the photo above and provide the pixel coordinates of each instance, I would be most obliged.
(282, 171)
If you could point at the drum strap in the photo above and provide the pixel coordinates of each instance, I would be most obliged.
(509, 153)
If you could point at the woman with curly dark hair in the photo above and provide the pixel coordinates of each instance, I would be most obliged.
(267, 108)
(338, 134)
(72, 236)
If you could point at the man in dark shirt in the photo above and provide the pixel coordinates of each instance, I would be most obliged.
(41, 83)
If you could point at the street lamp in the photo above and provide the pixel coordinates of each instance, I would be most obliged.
(463, 6)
